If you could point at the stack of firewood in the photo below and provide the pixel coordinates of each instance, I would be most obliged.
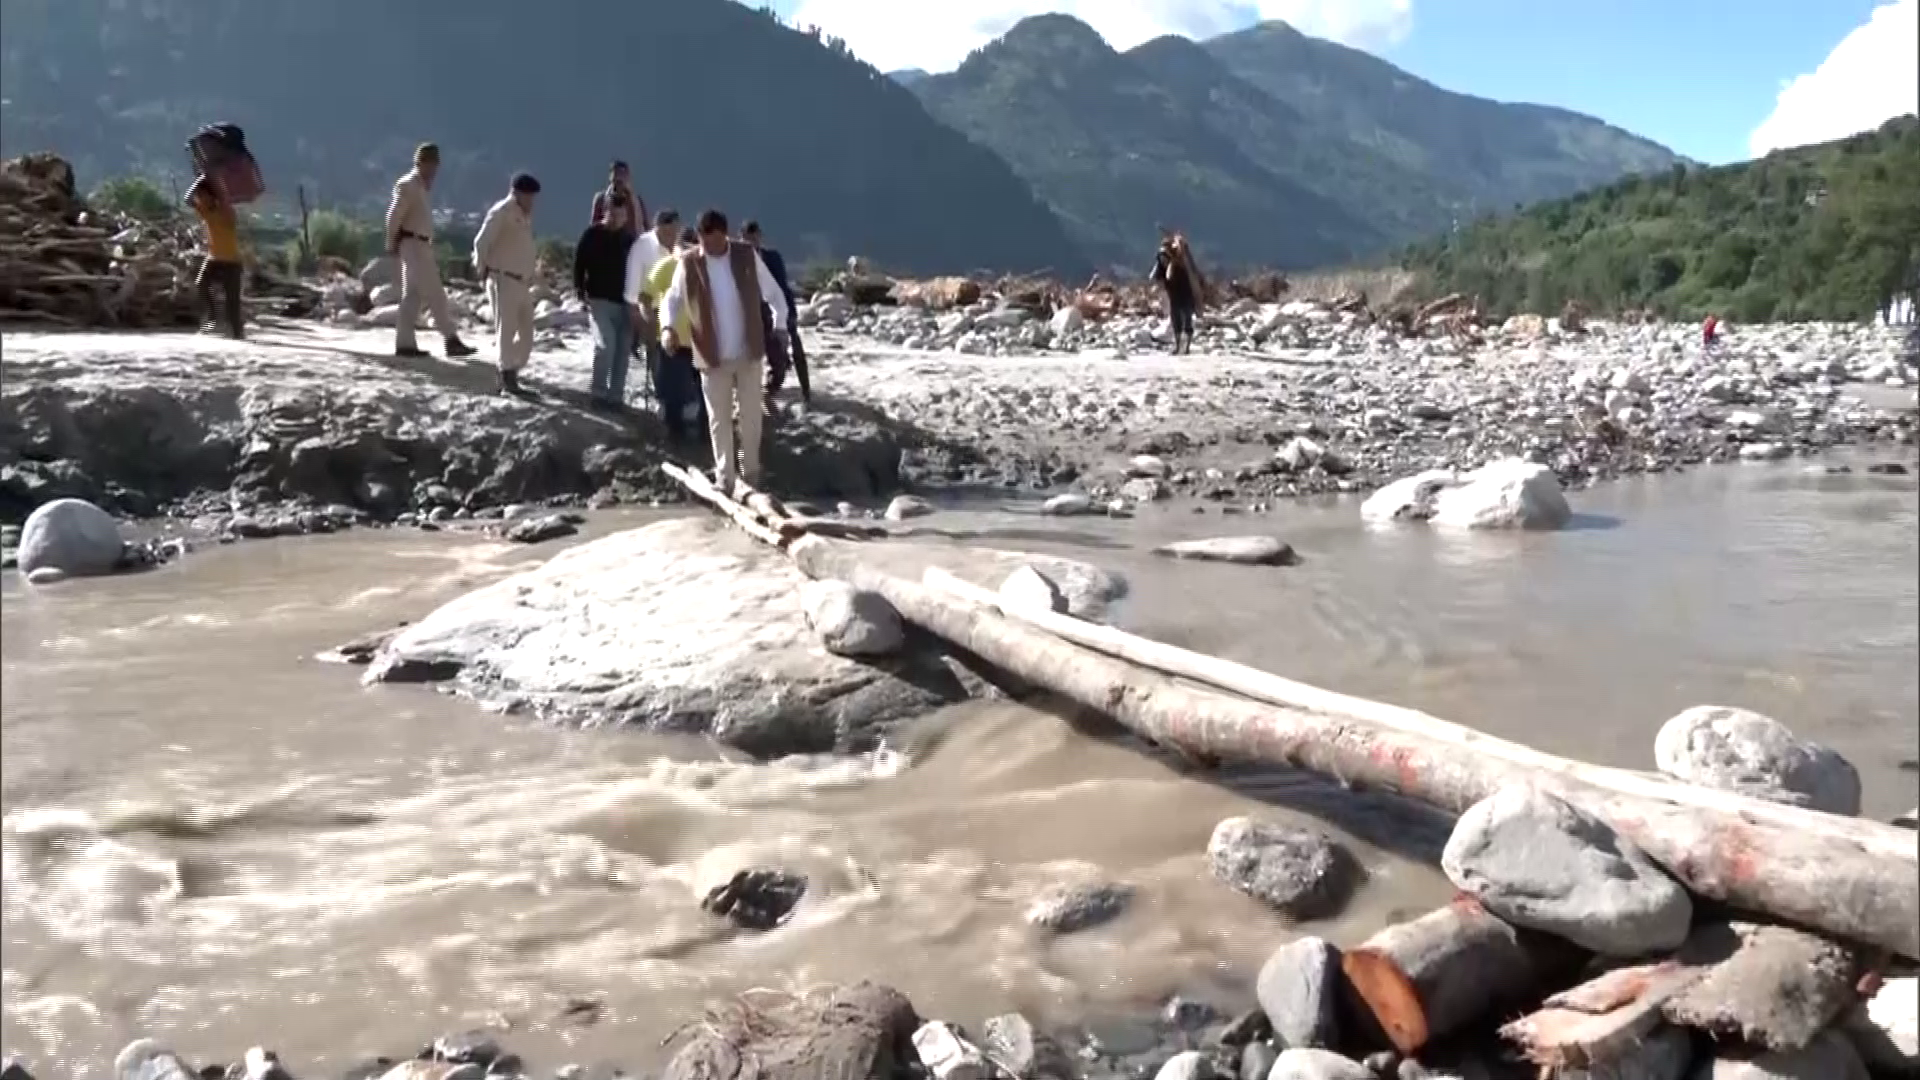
(65, 263)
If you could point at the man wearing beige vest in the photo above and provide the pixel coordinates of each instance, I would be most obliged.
(720, 285)
(505, 257)
(410, 243)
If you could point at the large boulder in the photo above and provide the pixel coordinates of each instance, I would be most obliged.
(1539, 862)
(1510, 493)
(689, 625)
(1740, 750)
(72, 537)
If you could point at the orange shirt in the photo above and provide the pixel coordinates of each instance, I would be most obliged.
(223, 227)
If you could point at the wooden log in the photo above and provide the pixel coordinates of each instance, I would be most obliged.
(1452, 966)
(1601, 1021)
(1833, 883)
(1766, 986)
(703, 489)
(1273, 689)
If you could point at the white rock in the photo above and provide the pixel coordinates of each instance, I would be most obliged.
(1740, 750)
(1510, 493)
(386, 295)
(1147, 465)
(1027, 589)
(1410, 498)
(908, 506)
(1067, 320)
(1070, 504)
(1307, 1063)
(947, 1056)
(71, 536)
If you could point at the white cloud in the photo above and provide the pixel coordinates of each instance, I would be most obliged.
(938, 34)
(1872, 76)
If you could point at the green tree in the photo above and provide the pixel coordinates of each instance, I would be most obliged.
(135, 196)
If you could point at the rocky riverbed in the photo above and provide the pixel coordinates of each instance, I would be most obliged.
(310, 428)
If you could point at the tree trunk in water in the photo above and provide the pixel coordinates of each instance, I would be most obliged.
(1813, 878)
(1428, 978)
(1853, 879)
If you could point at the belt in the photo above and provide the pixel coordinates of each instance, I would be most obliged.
(405, 235)
(505, 273)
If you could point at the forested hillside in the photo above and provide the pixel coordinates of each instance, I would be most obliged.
(1821, 232)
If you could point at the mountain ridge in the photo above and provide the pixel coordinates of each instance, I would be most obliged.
(1365, 156)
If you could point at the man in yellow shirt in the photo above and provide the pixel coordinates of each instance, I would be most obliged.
(676, 382)
(222, 264)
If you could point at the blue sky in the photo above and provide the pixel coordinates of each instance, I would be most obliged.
(1696, 75)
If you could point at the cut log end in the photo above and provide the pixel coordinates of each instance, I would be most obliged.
(1389, 995)
(1425, 979)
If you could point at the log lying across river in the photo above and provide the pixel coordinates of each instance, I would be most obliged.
(1852, 879)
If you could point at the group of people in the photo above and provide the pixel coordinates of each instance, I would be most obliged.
(711, 314)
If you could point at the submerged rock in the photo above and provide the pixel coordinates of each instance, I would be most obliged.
(756, 899)
(1064, 909)
(1410, 498)
(1247, 550)
(1299, 873)
(1539, 862)
(1740, 750)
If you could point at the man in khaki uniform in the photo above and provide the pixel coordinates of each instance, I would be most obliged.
(504, 255)
(410, 243)
(719, 286)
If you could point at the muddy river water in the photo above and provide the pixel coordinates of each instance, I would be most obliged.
(214, 839)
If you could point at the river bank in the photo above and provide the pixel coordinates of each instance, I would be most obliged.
(315, 427)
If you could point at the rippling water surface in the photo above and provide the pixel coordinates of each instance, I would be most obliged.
(212, 838)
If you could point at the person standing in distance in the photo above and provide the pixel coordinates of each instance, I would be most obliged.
(781, 353)
(599, 279)
(222, 266)
(505, 256)
(410, 243)
(619, 190)
(720, 285)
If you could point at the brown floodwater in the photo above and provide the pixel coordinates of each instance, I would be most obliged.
(214, 839)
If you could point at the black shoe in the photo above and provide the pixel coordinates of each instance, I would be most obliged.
(409, 352)
(457, 349)
(510, 383)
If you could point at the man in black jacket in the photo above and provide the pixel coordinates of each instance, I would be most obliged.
(600, 281)
(780, 354)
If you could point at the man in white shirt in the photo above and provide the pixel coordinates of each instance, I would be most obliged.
(506, 258)
(720, 286)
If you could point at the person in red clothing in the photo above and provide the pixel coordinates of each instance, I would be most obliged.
(1710, 331)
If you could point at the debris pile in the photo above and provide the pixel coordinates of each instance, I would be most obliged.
(66, 263)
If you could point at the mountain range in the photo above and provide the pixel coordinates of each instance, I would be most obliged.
(1046, 149)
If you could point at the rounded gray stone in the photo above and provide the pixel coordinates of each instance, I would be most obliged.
(1299, 873)
(1298, 988)
(72, 536)
(1539, 862)
(1303, 1063)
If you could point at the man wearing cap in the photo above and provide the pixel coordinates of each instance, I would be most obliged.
(505, 256)
(410, 243)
